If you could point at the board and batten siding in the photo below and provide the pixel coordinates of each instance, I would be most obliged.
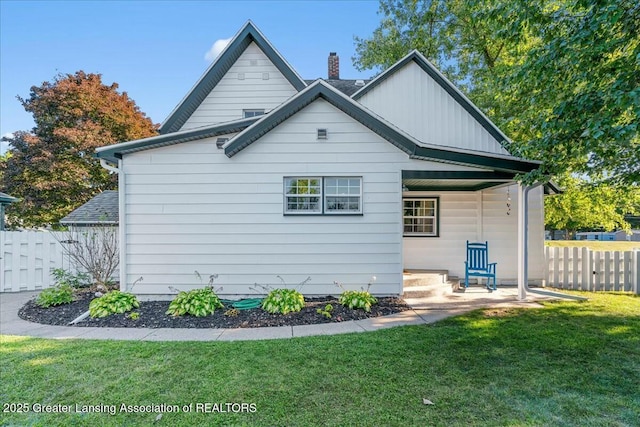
(260, 86)
(190, 208)
(480, 216)
(415, 103)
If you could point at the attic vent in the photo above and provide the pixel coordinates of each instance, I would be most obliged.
(220, 142)
(253, 62)
(359, 83)
(322, 134)
(240, 76)
(265, 76)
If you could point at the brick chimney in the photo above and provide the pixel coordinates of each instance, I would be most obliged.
(334, 66)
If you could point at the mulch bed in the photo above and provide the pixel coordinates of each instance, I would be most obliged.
(152, 315)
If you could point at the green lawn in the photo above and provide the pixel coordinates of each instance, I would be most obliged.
(594, 245)
(569, 363)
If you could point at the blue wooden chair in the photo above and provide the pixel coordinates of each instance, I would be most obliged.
(478, 265)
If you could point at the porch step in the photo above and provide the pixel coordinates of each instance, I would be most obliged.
(413, 278)
(429, 284)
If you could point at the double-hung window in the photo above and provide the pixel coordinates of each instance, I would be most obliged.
(323, 195)
(420, 216)
(342, 195)
(303, 195)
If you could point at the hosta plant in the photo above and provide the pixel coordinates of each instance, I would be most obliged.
(197, 302)
(283, 301)
(114, 302)
(58, 295)
(357, 299)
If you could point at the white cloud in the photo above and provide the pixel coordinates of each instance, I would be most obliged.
(215, 50)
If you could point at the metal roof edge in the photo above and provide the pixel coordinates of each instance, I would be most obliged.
(218, 69)
(114, 152)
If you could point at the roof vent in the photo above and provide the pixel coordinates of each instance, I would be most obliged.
(359, 83)
(322, 133)
(220, 142)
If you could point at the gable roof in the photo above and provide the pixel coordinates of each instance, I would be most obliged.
(441, 80)
(403, 141)
(248, 34)
(102, 209)
(114, 152)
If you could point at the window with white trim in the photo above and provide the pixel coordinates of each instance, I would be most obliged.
(342, 195)
(420, 216)
(323, 195)
(303, 195)
(252, 113)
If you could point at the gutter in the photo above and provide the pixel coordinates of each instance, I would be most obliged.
(121, 219)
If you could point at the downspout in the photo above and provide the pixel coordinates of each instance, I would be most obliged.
(121, 219)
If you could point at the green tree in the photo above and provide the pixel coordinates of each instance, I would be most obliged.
(580, 84)
(560, 77)
(52, 169)
(585, 206)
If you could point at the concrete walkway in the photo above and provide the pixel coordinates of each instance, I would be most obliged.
(424, 311)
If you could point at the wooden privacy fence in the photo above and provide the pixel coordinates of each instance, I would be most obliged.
(580, 268)
(27, 258)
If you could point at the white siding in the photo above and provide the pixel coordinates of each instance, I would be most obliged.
(231, 95)
(190, 208)
(414, 102)
(479, 216)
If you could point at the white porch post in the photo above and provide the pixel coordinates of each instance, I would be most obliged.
(522, 241)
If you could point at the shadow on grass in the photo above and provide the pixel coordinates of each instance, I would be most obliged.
(569, 363)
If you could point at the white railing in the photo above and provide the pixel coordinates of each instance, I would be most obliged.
(580, 268)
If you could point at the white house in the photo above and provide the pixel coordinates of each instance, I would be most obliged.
(258, 173)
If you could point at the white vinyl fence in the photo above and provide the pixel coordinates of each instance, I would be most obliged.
(587, 270)
(27, 258)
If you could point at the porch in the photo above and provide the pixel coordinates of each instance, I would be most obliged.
(437, 290)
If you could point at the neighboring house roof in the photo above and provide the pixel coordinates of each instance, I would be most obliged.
(114, 152)
(102, 209)
(248, 34)
(403, 141)
(441, 80)
(6, 199)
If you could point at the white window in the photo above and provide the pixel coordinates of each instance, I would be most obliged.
(252, 113)
(420, 217)
(318, 195)
(303, 195)
(343, 195)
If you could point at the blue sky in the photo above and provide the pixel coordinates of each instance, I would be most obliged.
(155, 50)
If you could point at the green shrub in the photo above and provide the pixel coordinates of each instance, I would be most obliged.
(77, 280)
(114, 302)
(197, 302)
(326, 311)
(58, 295)
(283, 301)
(357, 299)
